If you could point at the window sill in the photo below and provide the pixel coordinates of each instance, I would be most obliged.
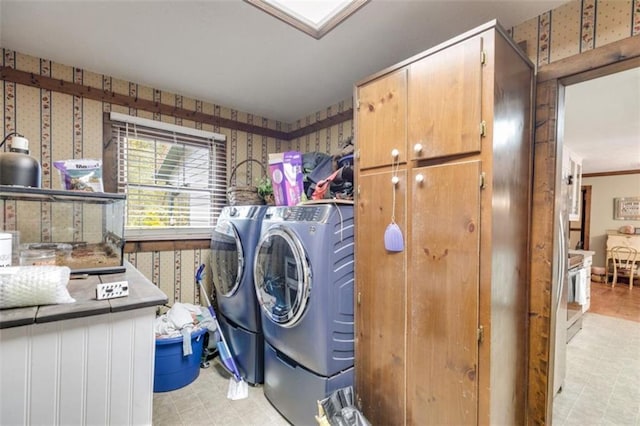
(166, 245)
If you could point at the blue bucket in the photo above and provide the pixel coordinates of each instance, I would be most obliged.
(172, 370)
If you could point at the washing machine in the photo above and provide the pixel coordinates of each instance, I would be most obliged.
(303, 273)
(233, 244)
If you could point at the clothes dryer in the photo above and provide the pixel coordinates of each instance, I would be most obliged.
(303, 273)
(233, 244)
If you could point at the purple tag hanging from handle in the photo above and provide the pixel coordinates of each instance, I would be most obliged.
(393, 240)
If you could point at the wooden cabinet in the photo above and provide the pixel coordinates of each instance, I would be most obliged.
(442, 352)
(441, 326)
(615, 238)
(445, 95)
(384, 297)
(382, 110)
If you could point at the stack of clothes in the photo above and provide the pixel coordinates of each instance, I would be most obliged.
(182, 320)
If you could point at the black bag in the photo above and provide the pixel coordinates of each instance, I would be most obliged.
(339, 409)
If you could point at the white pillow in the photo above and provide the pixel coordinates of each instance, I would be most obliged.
(34, 285)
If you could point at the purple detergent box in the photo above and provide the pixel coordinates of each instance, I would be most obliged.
(285, 170)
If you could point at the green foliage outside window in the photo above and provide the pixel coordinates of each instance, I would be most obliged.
(150, 207)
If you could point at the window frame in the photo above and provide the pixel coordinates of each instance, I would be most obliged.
(114, 121)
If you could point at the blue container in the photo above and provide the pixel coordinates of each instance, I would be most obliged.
(346, 160)
(172, 370)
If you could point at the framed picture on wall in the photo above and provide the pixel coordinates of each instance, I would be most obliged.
(627, 208)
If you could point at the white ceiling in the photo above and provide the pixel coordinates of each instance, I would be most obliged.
(231, 53)
(602, 122)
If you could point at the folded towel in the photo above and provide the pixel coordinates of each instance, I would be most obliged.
(581, 287)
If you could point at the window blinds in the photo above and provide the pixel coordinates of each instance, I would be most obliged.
(175, 182)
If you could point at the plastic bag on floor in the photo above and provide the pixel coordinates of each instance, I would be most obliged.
(338, 409)
(238, 389)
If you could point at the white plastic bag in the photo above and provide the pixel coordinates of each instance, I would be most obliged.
(34, 285)
(80, 175)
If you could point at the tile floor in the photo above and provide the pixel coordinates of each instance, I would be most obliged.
(602, 385)
(204, 402)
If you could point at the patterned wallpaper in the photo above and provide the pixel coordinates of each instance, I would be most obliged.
(71, 127)
(327, 140)
(577, 27)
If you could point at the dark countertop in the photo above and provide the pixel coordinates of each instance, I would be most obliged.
(142, 293)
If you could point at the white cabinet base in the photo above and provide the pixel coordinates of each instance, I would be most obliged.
(91, 370)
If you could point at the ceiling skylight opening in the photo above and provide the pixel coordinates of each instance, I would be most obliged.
(315, 13)
(314, 17)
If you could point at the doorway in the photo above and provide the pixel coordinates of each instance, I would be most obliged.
(616, 56)
(596, 134)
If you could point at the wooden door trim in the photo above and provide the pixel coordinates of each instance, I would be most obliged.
(609, 54)
(541, 327)
(610, 58)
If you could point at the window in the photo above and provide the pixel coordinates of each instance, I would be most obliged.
(174, 178)
(315, 18)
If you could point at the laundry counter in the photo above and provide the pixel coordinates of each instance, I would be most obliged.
(88, 362)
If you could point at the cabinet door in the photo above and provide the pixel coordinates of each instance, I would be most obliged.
(380, 301)
(445, 102)
(442, 353)
(381, 126)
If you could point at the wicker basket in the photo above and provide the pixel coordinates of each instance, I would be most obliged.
(244, 195)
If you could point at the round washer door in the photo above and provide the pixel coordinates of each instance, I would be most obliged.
(227, 258)
(282, 276)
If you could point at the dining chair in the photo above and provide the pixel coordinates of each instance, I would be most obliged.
(624, 264)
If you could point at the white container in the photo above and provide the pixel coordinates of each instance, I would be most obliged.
(37, 257)
(15, 247)
(5, 249)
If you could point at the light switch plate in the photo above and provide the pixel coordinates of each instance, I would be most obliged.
(112, 290)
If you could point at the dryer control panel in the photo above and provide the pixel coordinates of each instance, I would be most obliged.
(317, 214)
(239, 212)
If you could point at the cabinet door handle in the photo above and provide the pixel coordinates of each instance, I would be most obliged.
(417, 148)
(419, 178)
(395, 180)
(395, 153)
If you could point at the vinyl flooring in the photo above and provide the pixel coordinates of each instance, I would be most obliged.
(205, 402)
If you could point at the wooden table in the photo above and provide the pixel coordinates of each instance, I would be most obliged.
(614, 239)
